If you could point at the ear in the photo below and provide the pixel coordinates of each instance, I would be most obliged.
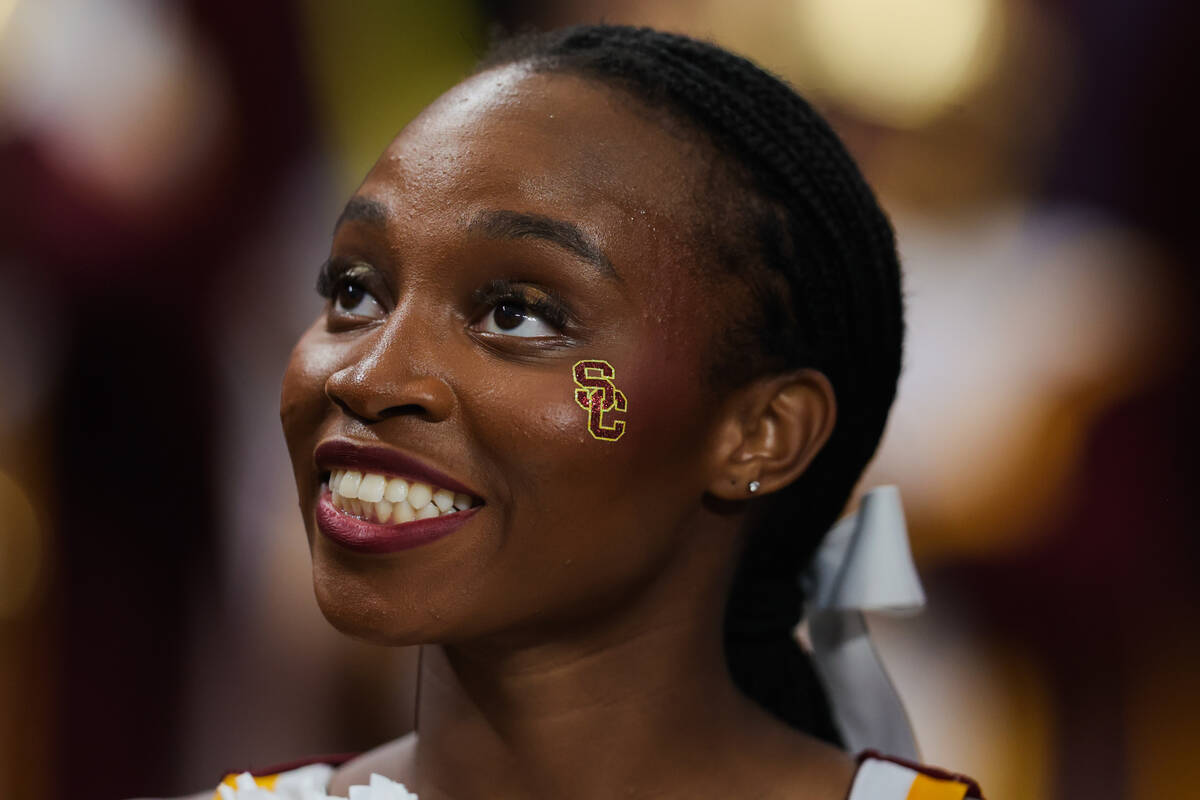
(771, 431)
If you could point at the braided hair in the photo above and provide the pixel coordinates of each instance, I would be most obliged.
(822, 270)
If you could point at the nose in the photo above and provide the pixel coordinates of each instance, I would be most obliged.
(392, 378)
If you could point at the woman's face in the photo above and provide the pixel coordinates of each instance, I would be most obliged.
(522, 224)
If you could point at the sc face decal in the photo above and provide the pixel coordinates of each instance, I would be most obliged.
(598, 396)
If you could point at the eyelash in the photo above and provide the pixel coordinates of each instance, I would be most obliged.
(545, 303)
(333, 272)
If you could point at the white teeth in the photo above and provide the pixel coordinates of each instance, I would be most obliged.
(402, 512)
(376, 497)
(348, 487)
(371, 488)
(419, 495)
(443, 499)
(396, 491)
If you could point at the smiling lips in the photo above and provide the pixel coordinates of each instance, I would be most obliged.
(369, 507)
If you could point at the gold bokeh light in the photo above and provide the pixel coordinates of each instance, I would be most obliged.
(899, 62)
(22, 550)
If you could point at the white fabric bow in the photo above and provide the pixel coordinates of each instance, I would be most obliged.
(864, 564)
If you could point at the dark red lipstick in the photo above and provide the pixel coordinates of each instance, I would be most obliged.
(364, 536)
(372, 537)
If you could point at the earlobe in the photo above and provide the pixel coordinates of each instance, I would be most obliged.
(772, 431)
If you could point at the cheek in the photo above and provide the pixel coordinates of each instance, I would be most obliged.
(672, 397)
(590, 518)
(540, 438)
(544, 433)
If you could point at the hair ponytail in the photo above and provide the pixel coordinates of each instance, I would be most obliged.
(794, 220)
(764, 658)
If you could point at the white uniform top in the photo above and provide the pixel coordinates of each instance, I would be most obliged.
(879, 778)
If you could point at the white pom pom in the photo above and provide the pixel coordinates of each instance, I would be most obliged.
(309, 784)
(387, 789)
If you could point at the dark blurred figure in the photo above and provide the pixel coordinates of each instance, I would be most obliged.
(121, 209)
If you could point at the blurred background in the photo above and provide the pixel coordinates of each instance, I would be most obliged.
(169, 174)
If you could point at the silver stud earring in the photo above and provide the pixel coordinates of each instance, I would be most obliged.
(753, 486)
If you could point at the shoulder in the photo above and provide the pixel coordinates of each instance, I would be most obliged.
(773, 760)
(882, 777)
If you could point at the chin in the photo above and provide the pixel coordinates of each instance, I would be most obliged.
(366, 628)
(356, 608)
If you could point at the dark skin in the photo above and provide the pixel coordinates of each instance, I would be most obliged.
(572, 627)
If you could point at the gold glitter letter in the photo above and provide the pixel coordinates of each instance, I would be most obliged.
(597, 395)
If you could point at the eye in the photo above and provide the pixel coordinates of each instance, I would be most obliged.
(351, 299)
(520, 310)
(355, 291)
(514, 318)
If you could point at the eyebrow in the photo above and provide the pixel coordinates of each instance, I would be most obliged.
(565, 235)
(363, 209)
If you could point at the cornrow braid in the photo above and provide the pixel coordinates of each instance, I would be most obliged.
(822, 270)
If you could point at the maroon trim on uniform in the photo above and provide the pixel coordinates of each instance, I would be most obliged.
(334, 760)
(973, 790)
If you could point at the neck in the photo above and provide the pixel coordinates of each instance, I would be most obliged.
(621, 709)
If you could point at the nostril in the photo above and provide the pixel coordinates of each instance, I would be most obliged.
(369, 415)
(368, 397)
(408, 409)
(347, 409)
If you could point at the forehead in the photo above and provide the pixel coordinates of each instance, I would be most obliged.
(555, 144)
